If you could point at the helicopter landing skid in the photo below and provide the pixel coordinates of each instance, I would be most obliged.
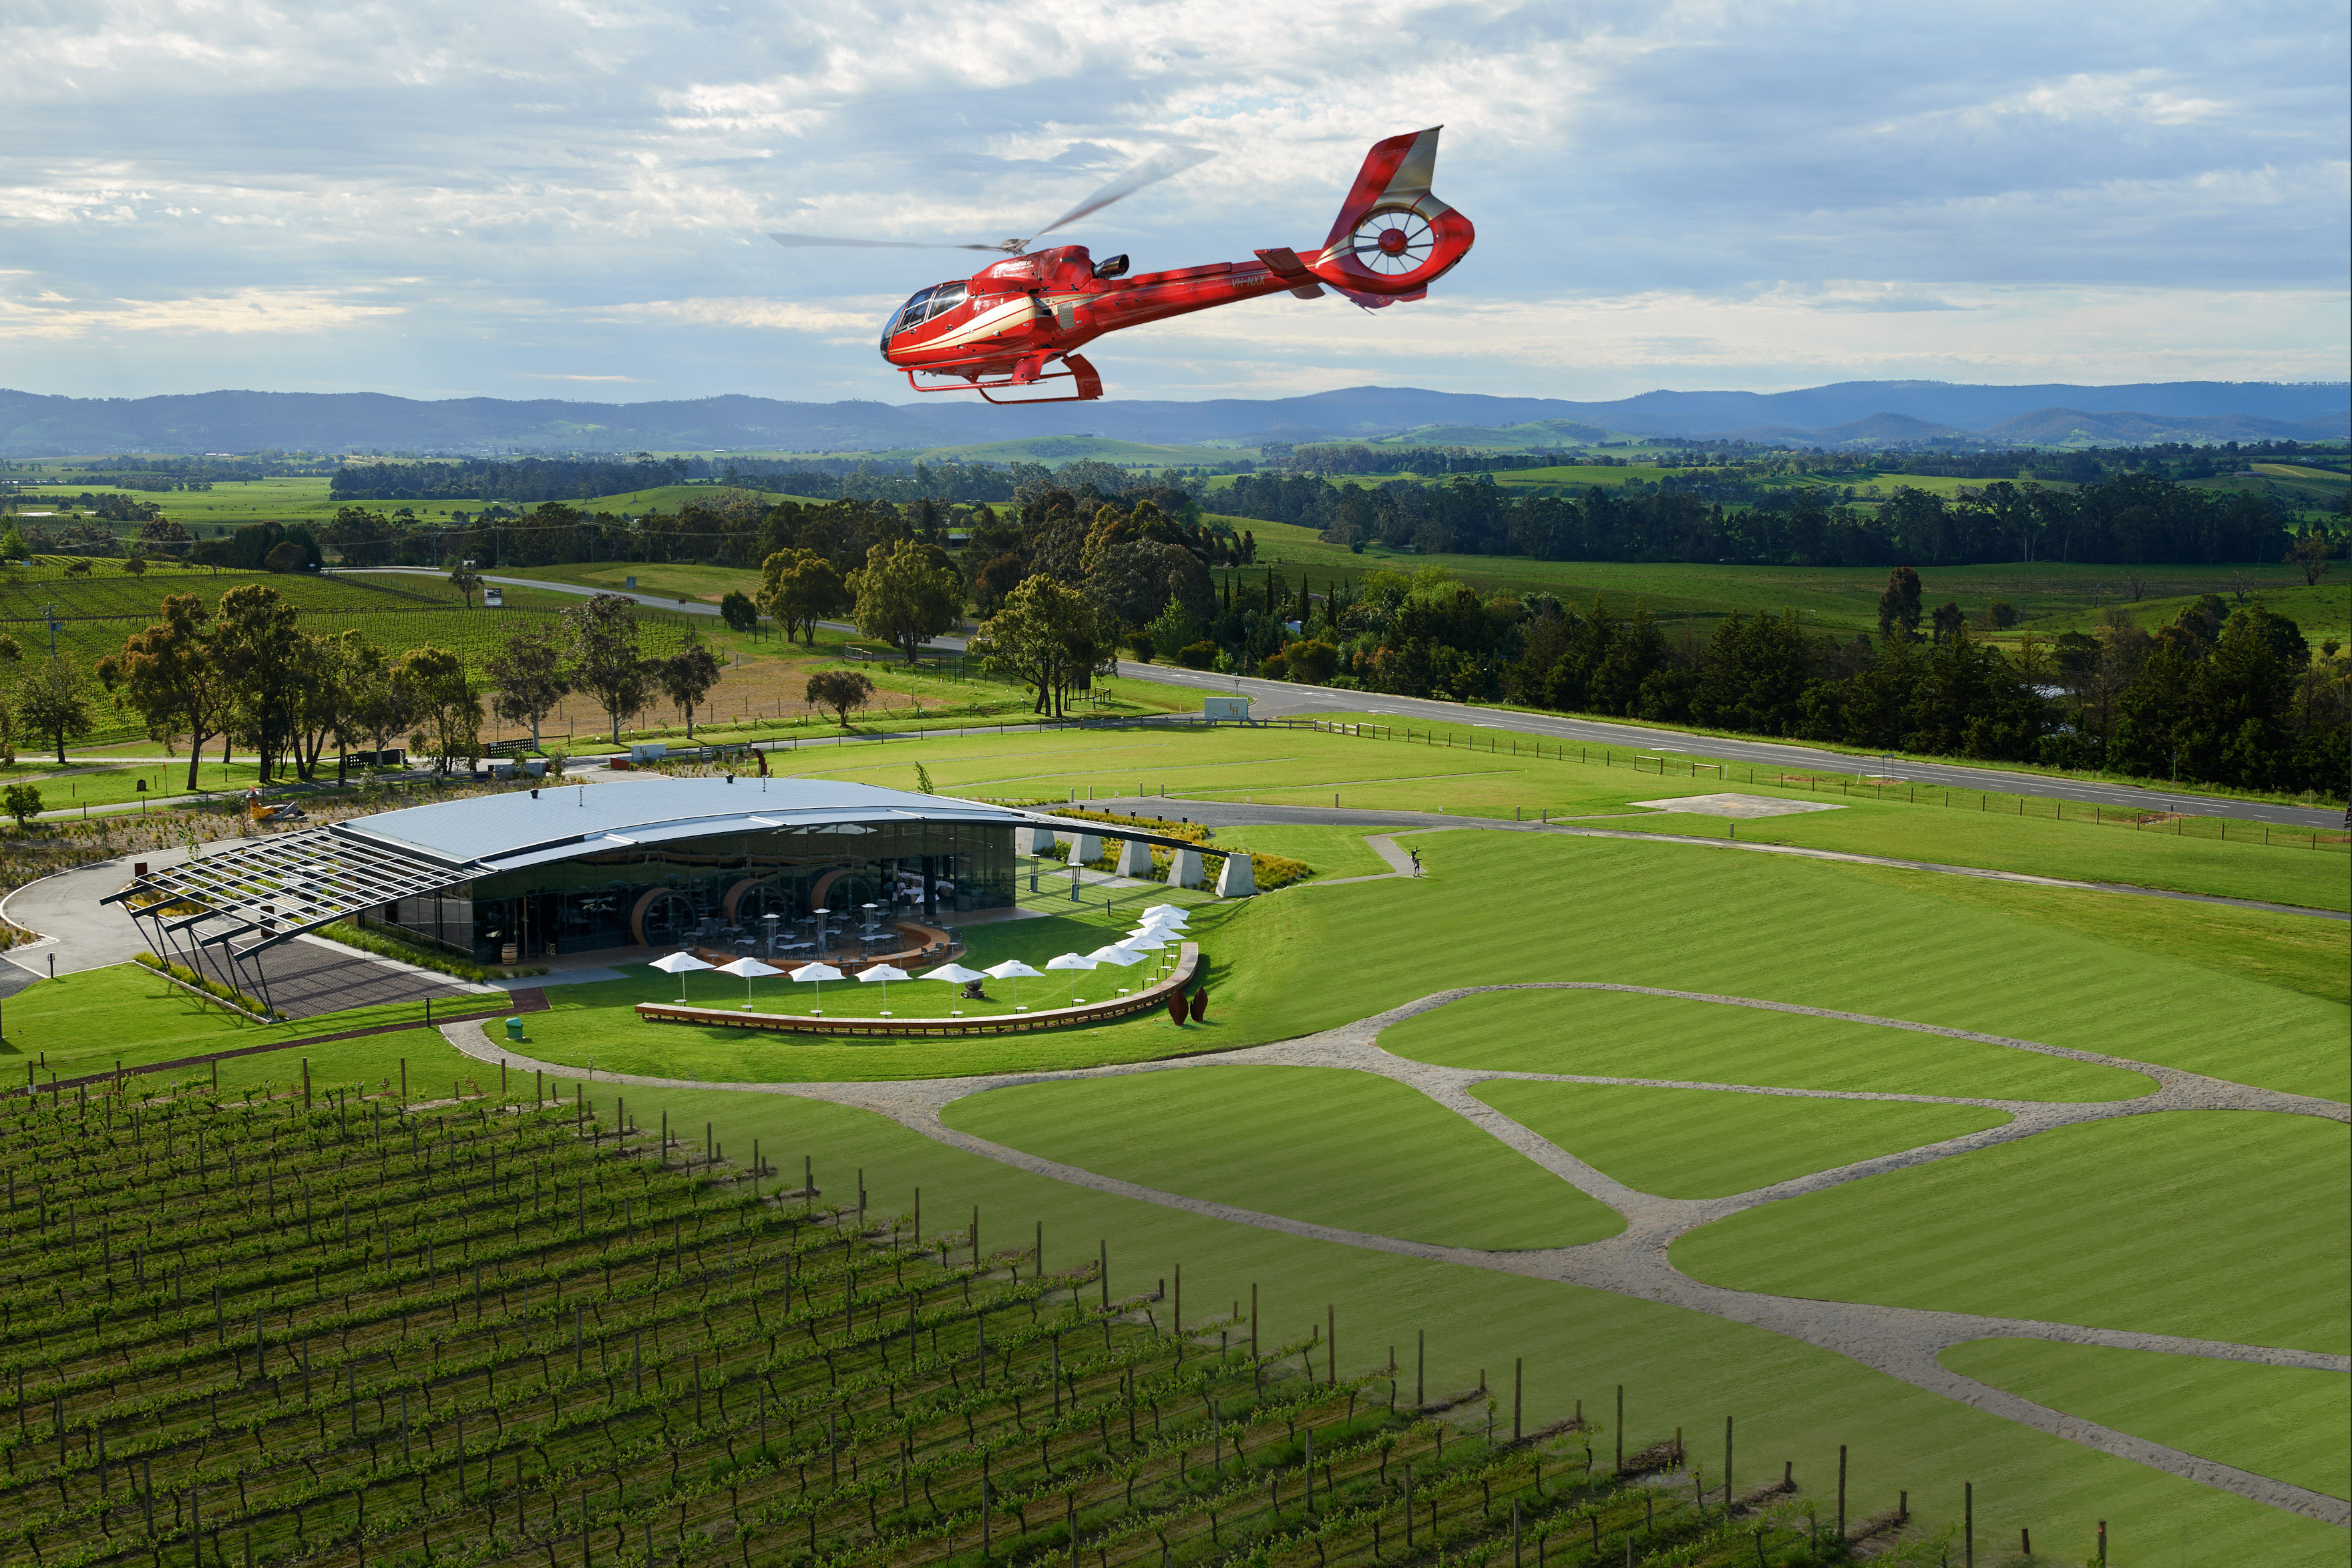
(1089, 384)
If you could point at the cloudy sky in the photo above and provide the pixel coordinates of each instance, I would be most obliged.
(527, 198)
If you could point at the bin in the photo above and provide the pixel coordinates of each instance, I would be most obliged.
(514, 1029)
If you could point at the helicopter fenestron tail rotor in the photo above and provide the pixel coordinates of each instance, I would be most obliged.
(1159, 166)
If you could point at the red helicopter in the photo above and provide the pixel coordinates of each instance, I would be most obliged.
(1006, 323)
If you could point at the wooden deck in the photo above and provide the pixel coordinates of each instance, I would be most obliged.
(1152, 998)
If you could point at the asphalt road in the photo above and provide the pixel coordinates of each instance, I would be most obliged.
(1278, 699)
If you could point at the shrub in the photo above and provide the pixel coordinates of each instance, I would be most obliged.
(385, 946)
(738, 611)
(1198, 656)
(22, 801)
(1312, 662)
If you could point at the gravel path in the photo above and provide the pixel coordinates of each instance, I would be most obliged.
(1901, 1341)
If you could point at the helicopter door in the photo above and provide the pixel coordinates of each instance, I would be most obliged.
(910, 315)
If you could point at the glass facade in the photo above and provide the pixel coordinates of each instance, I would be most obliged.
(659, 895)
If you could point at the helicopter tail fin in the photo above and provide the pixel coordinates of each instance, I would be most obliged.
(1394, 237)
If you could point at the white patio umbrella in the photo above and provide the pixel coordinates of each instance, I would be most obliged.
(817, 974)
(1176, 910)
(954, 974)
(751, 969)
(679, 963)
(1015, 971)
(883, 973)
(1145, 939)
(1071, 961)
(1117, 953)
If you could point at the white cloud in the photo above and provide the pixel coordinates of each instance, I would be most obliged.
(241, 178)
(50, 315)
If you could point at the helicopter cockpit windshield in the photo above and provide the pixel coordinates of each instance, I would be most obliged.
(926, 303)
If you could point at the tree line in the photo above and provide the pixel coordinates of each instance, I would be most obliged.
(2131, 518)
(244, 672)
(2225, 694)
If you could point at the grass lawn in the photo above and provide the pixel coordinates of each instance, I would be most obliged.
(2217, 1224)
(67, 788)
(2291, 1422)
(1499, 908)
(1306, 767)
(1680, 1369)
(86, 1022)
(594, 1025)
(2284, 871)
(1309, 1143)
(1700, 1143)
(2291, 951)
(1331, 851)
(1684, 918)
(1613, 1034)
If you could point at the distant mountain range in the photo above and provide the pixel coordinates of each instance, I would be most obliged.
(1868, 413)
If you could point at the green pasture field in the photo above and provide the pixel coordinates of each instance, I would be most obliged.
(2084, 1225)
(681, 580)
(1698, 1144)
(2283, 1421)
(1053, 451)
(233, 503)
(2050, 597)
(67, 788)
(1295, 1142)
(2224, 1225)
(1314, 768)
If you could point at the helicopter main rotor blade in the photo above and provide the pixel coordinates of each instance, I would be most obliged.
(1152, 171)
(797, 240)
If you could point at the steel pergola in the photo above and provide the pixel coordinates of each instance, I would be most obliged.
(221, 913)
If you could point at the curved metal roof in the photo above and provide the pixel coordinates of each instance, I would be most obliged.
(525, 827)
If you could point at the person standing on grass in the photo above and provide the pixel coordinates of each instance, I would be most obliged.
(1416, 861)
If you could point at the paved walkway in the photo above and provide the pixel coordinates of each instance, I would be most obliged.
(1903, 1343)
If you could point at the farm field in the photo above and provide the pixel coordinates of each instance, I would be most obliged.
(2224, 1223)
(691, 1250)
(2050, 597)
(233, 503)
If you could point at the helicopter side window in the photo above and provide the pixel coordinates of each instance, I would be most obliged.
(944, 298)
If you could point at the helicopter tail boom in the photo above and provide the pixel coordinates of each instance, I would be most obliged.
(1394, 237)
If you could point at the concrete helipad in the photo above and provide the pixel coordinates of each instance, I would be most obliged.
(1738, 806)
